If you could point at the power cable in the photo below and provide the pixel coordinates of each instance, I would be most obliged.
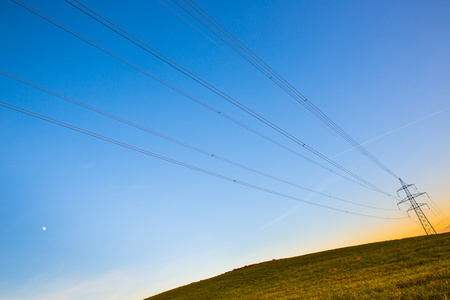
(112, 54)
(186, 145)
(173, 161)
(204, 18)
(95, 16)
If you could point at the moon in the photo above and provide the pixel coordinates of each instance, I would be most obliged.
(44, 228)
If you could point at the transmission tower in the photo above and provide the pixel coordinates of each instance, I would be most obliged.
(416, 206)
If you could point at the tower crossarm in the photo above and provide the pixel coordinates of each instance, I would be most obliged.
(416, 205)
(404, 187)
(404, 200)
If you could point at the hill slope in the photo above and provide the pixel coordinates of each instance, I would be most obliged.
(413, 268)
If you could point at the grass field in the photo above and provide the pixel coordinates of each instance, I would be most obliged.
(413, 268)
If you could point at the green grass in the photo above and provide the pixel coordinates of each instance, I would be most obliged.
(413, 268)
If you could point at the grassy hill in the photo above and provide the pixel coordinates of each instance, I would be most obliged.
(413, 268)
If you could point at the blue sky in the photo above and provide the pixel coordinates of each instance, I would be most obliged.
(123, 225)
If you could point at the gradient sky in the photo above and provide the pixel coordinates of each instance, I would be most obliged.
(123, 225)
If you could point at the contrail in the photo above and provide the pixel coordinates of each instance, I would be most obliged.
(392, 131)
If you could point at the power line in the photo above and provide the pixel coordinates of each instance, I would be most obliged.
(112, 54)
(173, 161)
(95, 16)
(186, 145)
(218, 30)
(235, 44)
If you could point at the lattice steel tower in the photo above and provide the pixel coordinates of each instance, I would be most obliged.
(416, 206)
